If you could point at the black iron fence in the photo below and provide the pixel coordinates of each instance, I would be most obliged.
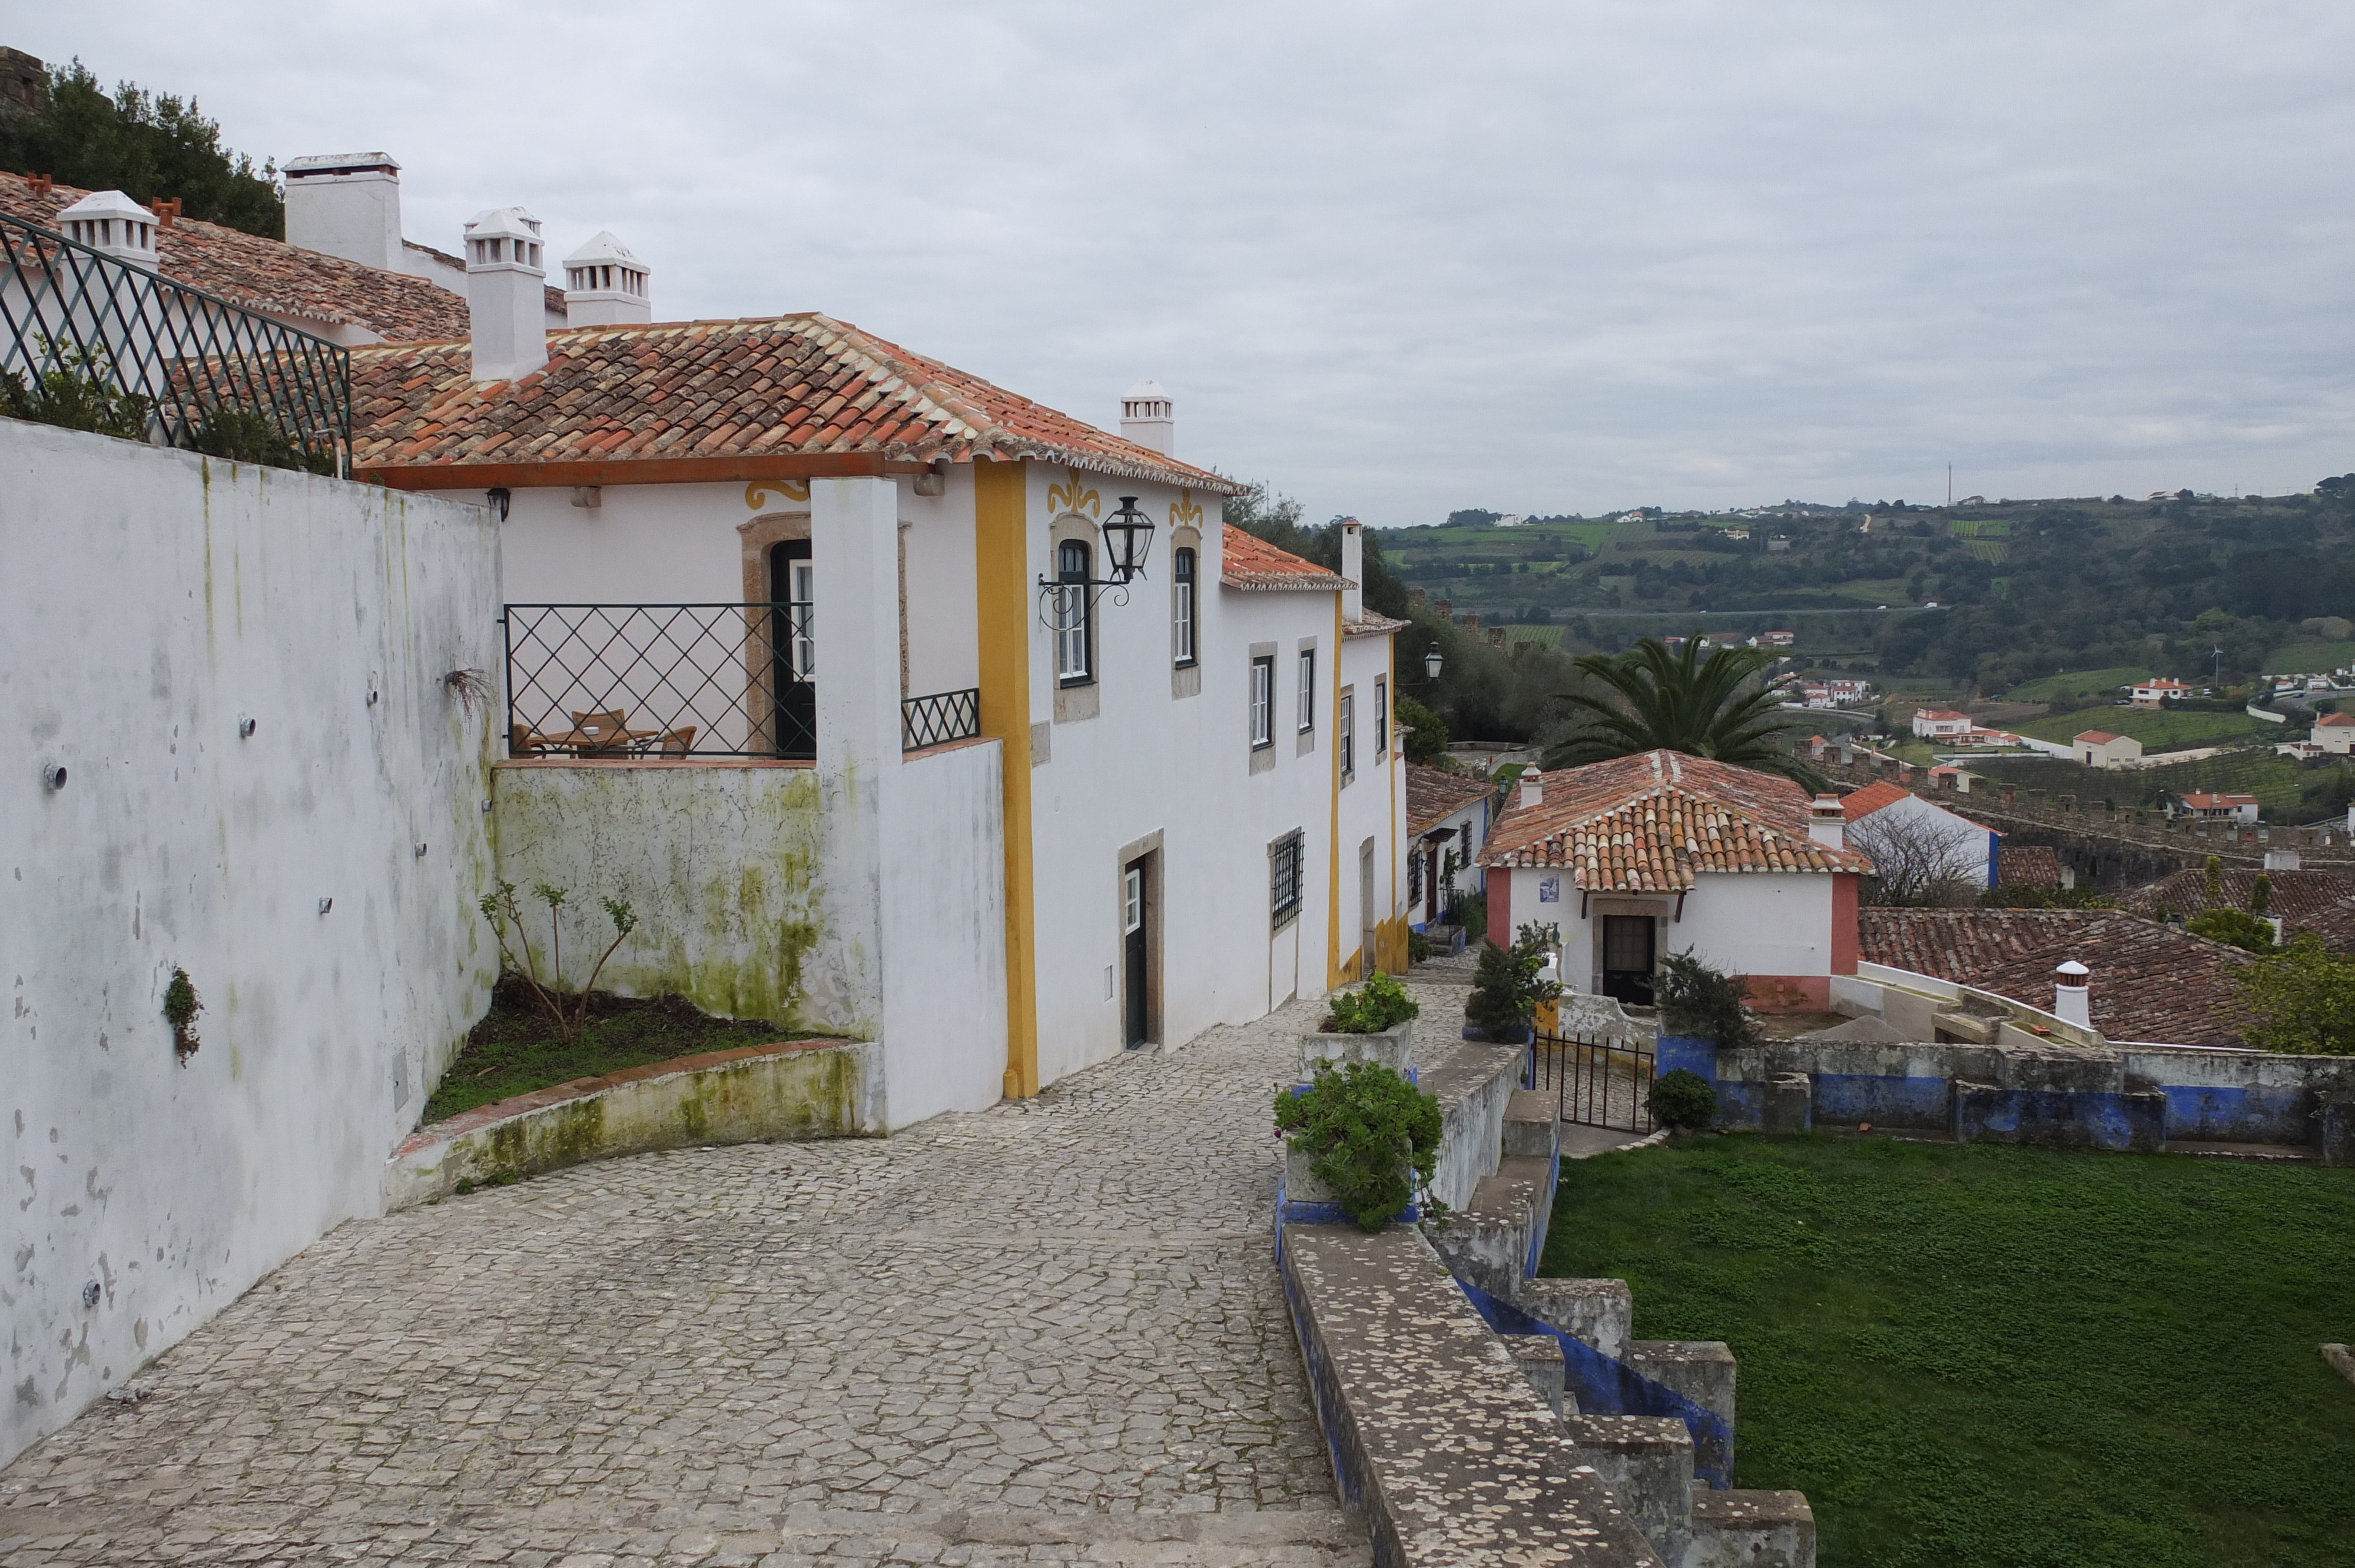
(661, 680)
(1596, 1083)
(940, 718)
(82, 331)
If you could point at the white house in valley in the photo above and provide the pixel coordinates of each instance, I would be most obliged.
(1941, 724)
(2100, 749)
(2335, 733)
(1938, 844)
(1641, 856)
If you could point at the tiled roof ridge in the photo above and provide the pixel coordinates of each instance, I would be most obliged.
(1248, 562)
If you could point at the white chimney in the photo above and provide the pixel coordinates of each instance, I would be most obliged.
(2069, 1004)
(1826, 823)
(507, 303)
(2281, 859)
(1146, 417)
(1353, 568)
(111, 222)
(605, 284)
(347, 205)
(1532, 788)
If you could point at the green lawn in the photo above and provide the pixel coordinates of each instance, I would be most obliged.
(2156, 728)
(2004, 1357)
(2087, 680)
(2311, 657)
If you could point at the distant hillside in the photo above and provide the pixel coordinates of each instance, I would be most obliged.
(2024, 590)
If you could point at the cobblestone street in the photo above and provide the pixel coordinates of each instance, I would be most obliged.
(1050, 1332)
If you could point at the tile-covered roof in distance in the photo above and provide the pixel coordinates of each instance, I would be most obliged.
(2028, 866)
(1248, 561)
(1654, 822)
(1434, 794)
(778, 386)
(1863, 803)
(1373, 624)
(2320, 900)
(273, 276)
(2150, 982)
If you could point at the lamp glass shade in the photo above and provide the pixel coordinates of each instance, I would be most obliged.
(1431, 662)
(1128, 539)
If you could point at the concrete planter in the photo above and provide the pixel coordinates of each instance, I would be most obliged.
(1393, 1048)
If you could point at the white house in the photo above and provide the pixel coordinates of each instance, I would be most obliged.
(2335, 733)
(2221, 808)
(1941, 724)
(741, 541)
(1884, 819)
(2100, 749)
(1642, 856)
(2151, 694)
(1447, 818)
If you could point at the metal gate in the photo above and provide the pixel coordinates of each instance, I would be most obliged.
(1596, 1083)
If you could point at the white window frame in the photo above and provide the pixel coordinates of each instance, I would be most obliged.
(1382, 718)
(1345, 725)
(1182, 628)
(1263, 702)
(1308, 693)
(1074, 640)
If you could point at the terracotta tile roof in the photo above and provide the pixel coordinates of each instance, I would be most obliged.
(273, 276)
(2319, 901)
(1871, 799)
(2334, 719)
(2149, 981)
(801, 385)
(2218, 803)
(2097, 737)
(1433, 794)
(1248, 561)
(1374, 624)
(1654, 822)
(2028, 866)
(1942, 713)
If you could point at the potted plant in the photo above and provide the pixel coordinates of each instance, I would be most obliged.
(1507, 989)
(1374, 1022)
(1362, 1137)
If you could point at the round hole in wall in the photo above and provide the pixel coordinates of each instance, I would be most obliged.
(245, 728)
(54, 775)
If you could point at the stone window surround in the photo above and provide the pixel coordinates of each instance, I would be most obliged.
(1262, 752)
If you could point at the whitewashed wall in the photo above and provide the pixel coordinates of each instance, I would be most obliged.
(150, 600)
(1374, 805)
(1761, 924)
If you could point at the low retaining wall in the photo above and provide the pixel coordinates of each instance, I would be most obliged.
(754, 1094)
(2129, 1100)
(1472, 1083)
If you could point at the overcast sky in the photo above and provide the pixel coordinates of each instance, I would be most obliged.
(1396, 260)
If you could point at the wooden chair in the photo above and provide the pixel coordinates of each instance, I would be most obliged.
(602, 732)
(678, 742)
(524, 741)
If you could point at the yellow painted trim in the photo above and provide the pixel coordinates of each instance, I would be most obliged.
(1001, 572)
(1401, 917)
(1333, 973)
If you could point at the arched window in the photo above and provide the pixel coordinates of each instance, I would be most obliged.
(1074, 616)
(1181, 606)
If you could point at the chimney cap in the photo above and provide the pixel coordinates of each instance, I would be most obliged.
(105, 204)
(2075, 972)
(339, 164)
(1148, 388)
(502, 223)
(603, 247)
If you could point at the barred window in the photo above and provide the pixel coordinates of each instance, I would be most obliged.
(1284, 880)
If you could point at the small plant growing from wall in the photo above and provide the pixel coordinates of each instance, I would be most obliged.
(500, 909)
(1373, 1138)
(1506, 989)
(1704, 1003)
(1373, 1007)
(181, 1005)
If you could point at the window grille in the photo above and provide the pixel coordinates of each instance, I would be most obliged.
(1284, 880)
(1415, 876)
(1181, 607)
(1074, 616)
(1263, 703)
(1307, 689)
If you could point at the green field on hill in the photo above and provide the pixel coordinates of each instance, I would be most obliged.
(1987, 1357)
(2159, 729)
(2309, 657)
(2085, 681)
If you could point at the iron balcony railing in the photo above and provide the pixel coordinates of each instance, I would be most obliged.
(1595, 1081)
(202, 369)
(661, 680)
(940, 718)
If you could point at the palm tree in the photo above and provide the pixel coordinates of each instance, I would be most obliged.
(1718, 708)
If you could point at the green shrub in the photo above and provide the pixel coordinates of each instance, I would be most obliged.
(249, 435)
(1704, 1002)
(1506, 989)
(2235, 927)
(181, 1005)
(1418, 948)
(1682, 1100)
(1472, 914)
(1371, 1134)
(2301, 999)
(1380, 1002)
(79, 394)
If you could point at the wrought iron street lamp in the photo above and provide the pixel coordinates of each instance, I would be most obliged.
(1128, 539)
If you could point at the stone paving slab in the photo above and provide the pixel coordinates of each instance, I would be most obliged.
(1050, 1332)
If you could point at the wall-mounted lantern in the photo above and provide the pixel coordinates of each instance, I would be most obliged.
(1431, 662)
(1128, 540)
